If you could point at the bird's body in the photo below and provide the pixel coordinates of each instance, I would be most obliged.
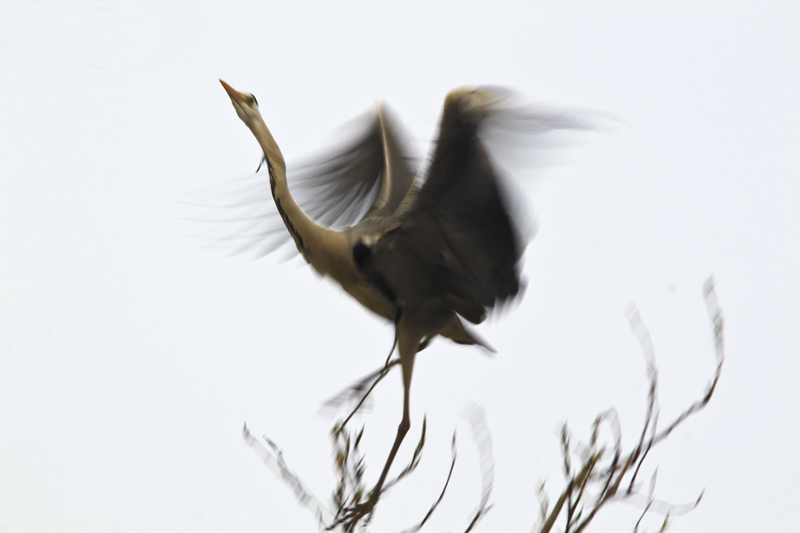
(426, 254)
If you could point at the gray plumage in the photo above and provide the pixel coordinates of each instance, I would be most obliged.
(421, 251)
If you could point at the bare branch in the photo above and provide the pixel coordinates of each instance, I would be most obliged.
(357, 390)
(651, 418)
(273, 458)
(717, 327)
(607, 480)
(483, 441)
(444, 489)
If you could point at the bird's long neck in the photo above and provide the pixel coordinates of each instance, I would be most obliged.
(319, 246)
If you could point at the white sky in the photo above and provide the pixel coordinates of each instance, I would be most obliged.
(130, 357)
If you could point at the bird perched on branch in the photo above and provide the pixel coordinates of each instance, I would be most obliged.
(430, 251)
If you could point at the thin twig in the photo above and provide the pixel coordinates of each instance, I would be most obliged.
(612, 477)
(382, 374)
(273, 458)
(444, 489)
(483, 441)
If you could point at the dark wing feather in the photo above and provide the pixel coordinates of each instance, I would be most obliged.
(456, 247)
(454, 241)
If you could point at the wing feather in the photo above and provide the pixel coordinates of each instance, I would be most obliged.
(456, 240)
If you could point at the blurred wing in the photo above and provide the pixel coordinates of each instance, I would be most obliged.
(370, 174)
(456, 245)
(399, 169)
(456, 237)
(240, 217)
(367, 177)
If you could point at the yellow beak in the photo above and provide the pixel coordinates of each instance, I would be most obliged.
(233, 93)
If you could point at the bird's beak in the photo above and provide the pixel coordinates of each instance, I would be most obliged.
(233, 93)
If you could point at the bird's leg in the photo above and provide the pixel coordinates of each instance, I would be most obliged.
(402, 429)
(353, 515)
(407, 346)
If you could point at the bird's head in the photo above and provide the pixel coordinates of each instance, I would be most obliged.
(245, 104)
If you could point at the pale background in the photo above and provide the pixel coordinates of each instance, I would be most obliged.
(130, 357)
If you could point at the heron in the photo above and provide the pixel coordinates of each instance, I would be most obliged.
(432, 251)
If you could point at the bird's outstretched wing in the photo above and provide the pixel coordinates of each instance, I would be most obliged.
(455, 239)
(368, 175)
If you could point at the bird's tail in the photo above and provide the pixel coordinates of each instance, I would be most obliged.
(457, 332)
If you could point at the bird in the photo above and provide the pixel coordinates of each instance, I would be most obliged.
(436, 247)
